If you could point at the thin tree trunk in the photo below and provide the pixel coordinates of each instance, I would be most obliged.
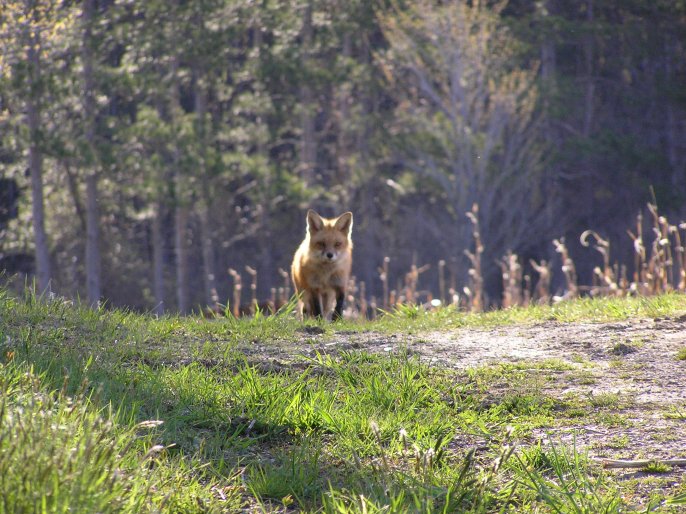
(672, 127)
(308, 145)
(208, 259)
(93, 264)
(73, 187)
(181, 249)
(548, 54)
(376, 232)
(181, 209)
(43, 275)
(549, 74)
(92, 240)
(264, 234)
(342, 139)
(589, 95)
(158, 260)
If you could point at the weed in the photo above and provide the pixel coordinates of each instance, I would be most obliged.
(676, 413)
(561, 478)
(657, 467)
(618, 442)
(610, 419)
(604, 400)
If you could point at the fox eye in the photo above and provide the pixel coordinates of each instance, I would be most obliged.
(321, 245)
(338, 244)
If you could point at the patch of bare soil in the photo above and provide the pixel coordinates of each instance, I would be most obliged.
(630, 367)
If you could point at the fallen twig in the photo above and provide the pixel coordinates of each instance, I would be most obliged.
(612, 463)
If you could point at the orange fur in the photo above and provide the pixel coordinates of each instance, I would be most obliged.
(321, 265)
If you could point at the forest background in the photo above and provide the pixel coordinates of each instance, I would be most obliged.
(147, 148)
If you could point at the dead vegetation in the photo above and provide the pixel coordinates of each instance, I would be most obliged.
(659, 267)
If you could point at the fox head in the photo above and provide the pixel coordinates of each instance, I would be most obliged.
(329, 238)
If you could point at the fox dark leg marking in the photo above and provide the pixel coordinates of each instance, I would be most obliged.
(340, 300)
(316, 309)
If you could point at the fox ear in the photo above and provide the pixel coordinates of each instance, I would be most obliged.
(314, 222)
(344, 223)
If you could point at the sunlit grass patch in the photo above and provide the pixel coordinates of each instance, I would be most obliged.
(63, 453)
(560, 477)
(676, 412)
(602, 309)
(345, 431)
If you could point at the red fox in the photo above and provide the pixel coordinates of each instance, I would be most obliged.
(321, 266)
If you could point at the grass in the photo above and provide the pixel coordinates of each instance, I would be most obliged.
(66, 453)
(112, 411)
(598, 309)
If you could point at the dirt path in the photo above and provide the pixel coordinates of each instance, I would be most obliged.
(632, 366)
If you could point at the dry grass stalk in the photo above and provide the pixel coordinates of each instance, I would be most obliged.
(373, 307)
(441, 281)
(568, 268)
(351, 298)
(623, 280)
(253, 289)
(273, 300)
(512, 280)
(285, 291)
(383, 275)
(681, 256)
(605, 279)
(542, 292)
(215, 299)
(475, 292)
(666, 243)
(662, 270)
(526, 293)
(237, 287)
(640, 283)
(411, 281)
(660, 263)
(454, 298)
(363, 300)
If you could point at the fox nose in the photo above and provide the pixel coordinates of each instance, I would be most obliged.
(329, 255)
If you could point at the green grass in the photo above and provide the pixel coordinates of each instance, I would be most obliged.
(112, 411)
(581, 310)
(66, 453)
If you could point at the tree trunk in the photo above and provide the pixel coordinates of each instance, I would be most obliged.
(92, 240)
(158, 260)
(548, 76)
(43, 275)
(672, 126)
(342, 139)
(208, 259)
(589, 95)
(308, 144)
(93, 264)
(181, 250)
(181, 212)
(548, 54)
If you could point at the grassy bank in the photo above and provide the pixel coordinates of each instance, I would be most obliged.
(110, 411)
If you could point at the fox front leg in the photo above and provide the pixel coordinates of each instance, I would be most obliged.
(340, 301)
(317, 307)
